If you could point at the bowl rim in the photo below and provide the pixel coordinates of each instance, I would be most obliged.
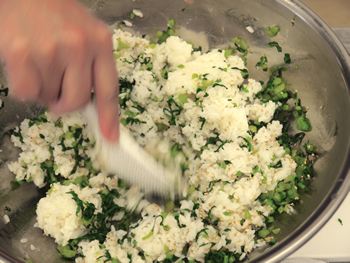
(341, 187)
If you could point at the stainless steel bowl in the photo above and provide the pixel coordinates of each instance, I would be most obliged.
(322, 81)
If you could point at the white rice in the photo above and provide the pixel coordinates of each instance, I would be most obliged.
(127, 23)
(250, 29)
(6, 219)
(137, 13)
(226, 110)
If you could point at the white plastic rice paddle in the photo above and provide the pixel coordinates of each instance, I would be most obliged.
(130, 162)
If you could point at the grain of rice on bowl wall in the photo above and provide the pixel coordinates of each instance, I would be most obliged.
(235, 155)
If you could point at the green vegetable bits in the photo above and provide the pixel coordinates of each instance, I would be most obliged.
(272, 31)
(281, 199)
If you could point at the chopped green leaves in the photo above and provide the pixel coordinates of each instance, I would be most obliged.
(164, 73)
(202, 121)
(161, 127)
(122, 45)
(148, 235)
(241, 45)
(228, 52)
(263, 233)
(163, 35)
(182, 98)
(42, 118)
(248, 144)
(262, 63)
(222, 256)
(309, 148)
(204, 230)
(275, 166)
(19, 135)
(275, 44)
(223, 165)
(244, 72)
(173, 110)
(122, 183)
(87, 209)
(303, 124)
(276, 231)
(66, 251)
(273, 241)
(272, 31)
(253, 128)
(171, 22)
(125, 87)
(131, 120)
(287, 59)
(169, 207)
(207, 83)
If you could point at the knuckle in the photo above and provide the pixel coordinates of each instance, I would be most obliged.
(76, 40)
(19, 49)
(103, 37)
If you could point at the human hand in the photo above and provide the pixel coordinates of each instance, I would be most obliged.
(55, 51)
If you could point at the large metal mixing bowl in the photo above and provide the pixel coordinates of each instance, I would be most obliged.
(322, 81)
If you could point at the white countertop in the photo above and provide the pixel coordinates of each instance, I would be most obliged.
(332, 242)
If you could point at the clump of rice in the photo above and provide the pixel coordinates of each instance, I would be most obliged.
(57, 212)
(223, 190)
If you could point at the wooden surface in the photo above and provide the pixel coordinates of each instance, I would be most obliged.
(336, 13)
